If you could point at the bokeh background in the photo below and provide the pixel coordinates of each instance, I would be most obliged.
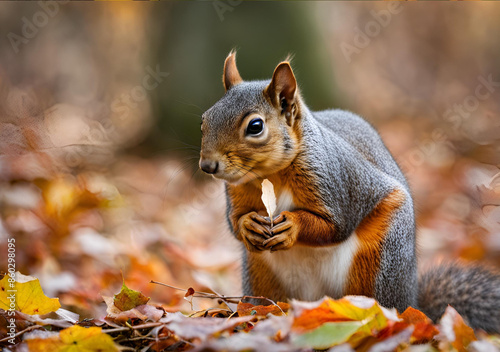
(100, 107)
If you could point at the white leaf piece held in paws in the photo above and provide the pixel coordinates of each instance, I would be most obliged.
(269, 198)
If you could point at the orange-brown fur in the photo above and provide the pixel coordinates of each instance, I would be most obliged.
(230, 75)
(264, 282)
(371, 233)
(315, 229)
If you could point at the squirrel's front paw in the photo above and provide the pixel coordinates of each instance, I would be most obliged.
(285, 233)
(254, 231)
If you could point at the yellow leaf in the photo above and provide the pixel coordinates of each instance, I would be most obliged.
(61, 195)
(25, 295)
(42, 345)
(75, 339)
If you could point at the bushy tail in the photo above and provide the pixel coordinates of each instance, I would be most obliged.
(472, 290)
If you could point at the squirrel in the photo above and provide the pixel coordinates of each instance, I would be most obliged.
(346, 223)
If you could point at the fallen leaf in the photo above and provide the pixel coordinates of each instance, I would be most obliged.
(349, 308)
(349, 319)
(201, 328)
(144, 312)
(128, 299)
(310, 315)
(25, 295)
(327, 335)
(277, 327)
(61, 318)
(424, 329)
(245, 342)
(249, 309)
(392, 343)
(454, 330)
(75, 339)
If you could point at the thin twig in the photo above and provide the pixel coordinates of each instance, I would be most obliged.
(29, 328)
(218, 296)
(211, 295)
(133, 327)
(209, 309)
(199, 294)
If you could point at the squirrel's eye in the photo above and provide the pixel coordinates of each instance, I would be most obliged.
(255, 127)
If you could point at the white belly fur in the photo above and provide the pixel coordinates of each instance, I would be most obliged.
(284, 202)
(309, 273)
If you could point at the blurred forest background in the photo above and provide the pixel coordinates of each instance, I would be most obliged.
(100, 107)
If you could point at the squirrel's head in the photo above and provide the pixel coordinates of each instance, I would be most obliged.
(252, 131)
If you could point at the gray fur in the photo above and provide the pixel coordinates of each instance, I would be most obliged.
(472, 290)
(246, 96)
(346, 152)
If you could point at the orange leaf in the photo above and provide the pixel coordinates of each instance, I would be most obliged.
(424, 329)
(249, 309)
(313, 318)
(455, 331)
(349, 308)
(413, 316)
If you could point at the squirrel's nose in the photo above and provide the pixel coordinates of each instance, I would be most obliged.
(209, 166)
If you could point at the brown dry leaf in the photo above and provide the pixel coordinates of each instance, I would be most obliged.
(245, 309)
(454, 331)
(247, 342)
(212, 312)
(202, 328)
(145, 312)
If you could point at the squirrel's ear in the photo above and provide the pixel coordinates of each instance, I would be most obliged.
(231, 76)
(282, 89)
